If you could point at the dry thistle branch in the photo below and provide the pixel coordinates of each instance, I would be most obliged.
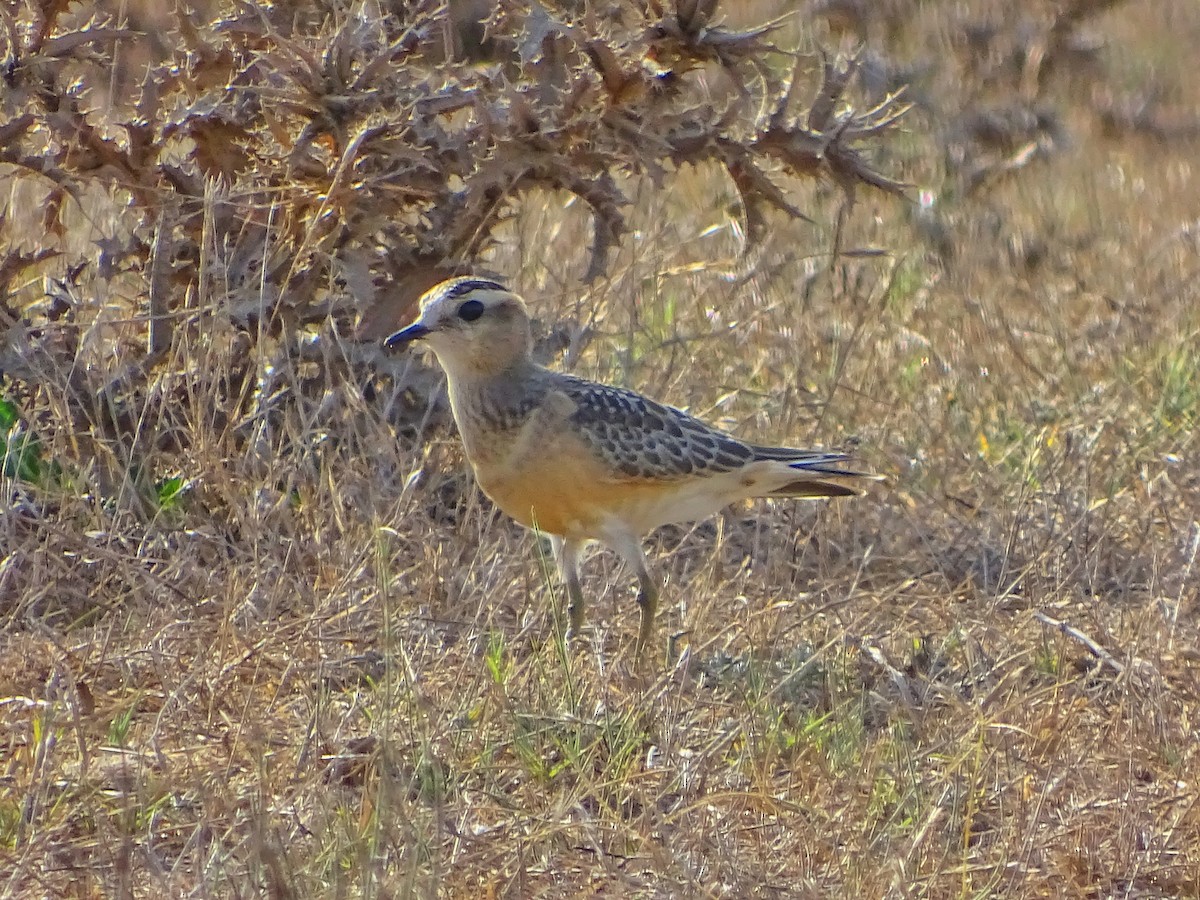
(267, 102)
(293, 147)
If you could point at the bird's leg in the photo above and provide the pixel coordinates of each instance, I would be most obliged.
(568, 566)
(629, 547)
(575, 607)
(648, 601)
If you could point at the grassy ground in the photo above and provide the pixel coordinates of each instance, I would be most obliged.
(303, 656)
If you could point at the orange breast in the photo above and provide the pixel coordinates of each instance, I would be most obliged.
(565, 494)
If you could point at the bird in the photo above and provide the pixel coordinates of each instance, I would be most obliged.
(581, 461)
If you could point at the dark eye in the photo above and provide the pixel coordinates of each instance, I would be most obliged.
(470, 311)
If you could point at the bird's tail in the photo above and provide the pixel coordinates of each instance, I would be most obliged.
(818, 474)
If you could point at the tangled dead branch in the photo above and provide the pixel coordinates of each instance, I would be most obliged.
(277, 169)
(368, 142)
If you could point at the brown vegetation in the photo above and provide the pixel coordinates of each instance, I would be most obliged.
(261, 633)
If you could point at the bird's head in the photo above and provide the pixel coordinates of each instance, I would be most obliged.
(473, 326)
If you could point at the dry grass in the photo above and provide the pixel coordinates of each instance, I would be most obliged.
(298, 654)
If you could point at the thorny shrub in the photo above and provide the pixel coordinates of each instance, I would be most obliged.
(282, 169)
(278, 167)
